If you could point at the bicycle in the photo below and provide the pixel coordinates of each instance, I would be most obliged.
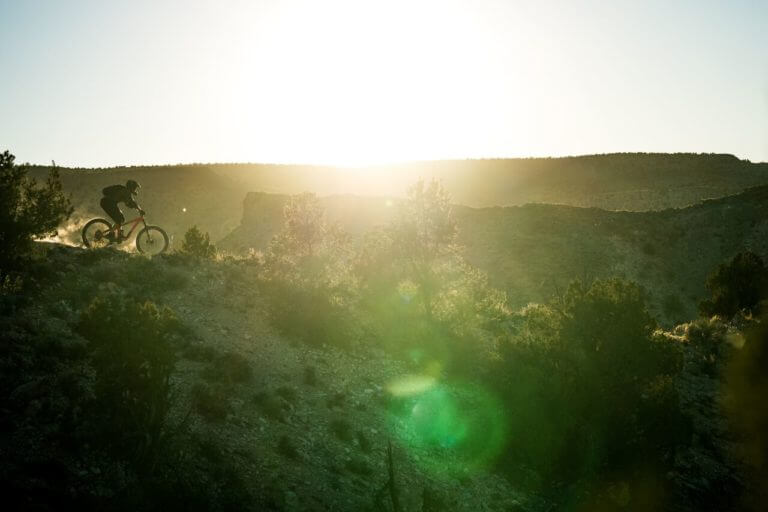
(150, 240)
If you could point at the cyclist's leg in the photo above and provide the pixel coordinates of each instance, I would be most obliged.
(114, 213)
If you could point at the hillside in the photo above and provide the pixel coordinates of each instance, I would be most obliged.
(533, 251)
(245, 417)
(625, 181)
(264, 422)
(328, 376)
(210, 196)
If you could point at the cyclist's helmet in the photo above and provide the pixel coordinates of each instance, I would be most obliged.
(132, 186)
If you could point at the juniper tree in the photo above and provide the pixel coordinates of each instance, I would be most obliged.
(27, 211)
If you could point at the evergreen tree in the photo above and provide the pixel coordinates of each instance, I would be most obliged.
(27, 211)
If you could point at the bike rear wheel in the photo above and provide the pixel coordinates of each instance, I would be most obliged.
(95, 233)
(152, 240)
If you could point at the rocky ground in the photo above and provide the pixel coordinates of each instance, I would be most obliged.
(310, 427)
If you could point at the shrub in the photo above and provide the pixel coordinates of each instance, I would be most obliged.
(196, 351)
(198, 244)
(363, 441)
(704, 476)
(46, 391)
(607, 349)
(11, 287)
(287, 393)
(359, 465)
(210, 402)
(737, 286)
(746, 386)
(590, 360)
(270, 405)
(424, 233)
(26, 210)
(310, 376)
(337, 400)
(342, 429)
(286, 447)
(308, 277)
(648, 249)
(195, 476)
(229, 367)
(82, 412)
(421, 295)
(131, 348)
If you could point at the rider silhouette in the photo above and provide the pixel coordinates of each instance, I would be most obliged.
(120, 194)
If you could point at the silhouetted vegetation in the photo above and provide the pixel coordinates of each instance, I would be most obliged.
(585, 379)
(746, 386)
(529, 252)
(131, 350)
(423, 235)
(229, 368)
(198, 244)
(737, 286)
(114, 401)
(91, 418)
(308, 276)
(420, 290)
(210, 402)
(606, 409)
(26, 210)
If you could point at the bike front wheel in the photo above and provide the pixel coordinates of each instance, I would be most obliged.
(95, 233)
(152, 240)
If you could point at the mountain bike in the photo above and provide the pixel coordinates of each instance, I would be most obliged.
(150, 240)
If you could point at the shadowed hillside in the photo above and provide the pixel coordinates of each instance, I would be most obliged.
(533, 251)
(625, 181)
(328, 374)
(212, 194)
(250, 420)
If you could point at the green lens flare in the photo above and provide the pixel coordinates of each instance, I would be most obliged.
(435, 420)
(411, 385)
(449, 430)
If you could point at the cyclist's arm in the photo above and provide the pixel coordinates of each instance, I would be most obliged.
(133, 204)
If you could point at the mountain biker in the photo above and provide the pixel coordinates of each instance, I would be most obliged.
(120, 194)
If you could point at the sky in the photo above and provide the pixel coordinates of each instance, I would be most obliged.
(354, 82)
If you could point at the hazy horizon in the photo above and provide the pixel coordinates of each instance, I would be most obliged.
(397, 163)
(354, 84)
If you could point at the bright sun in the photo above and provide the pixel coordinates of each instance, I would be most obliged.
(378, 90)
(364, 82)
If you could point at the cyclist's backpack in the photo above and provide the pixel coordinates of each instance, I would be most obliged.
(113, 191)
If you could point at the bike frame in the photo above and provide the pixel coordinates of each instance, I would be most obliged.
(133, 227)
